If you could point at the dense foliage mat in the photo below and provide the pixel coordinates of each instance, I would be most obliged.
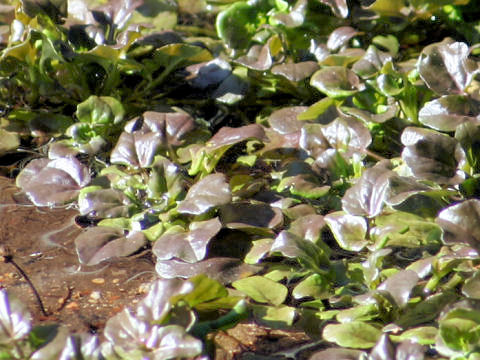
(308, 163)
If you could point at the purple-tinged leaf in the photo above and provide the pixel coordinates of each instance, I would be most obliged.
(308, 227)
(231, 90)
(102, 243)
(433, 156)
(53, 182)
(258, 58)
(339, 7)
(213, 190)
(336, 81)
(117, 13)
(445, 67)
(347, 135)
(156, 305)
(338, 354)
(371, 63)
(401, 188)
(400, 286)
(367, 196)
(225, 270)
(208, 73)
(312, 140)
(383, 349)
(131, 335)
(15, 320)
(66, 346)
(250, 216)
(145, 136)
(447, 112)
(104, 203)
(296, 71)
(284, 121)
(410, 350)
(189, 246)
(294, 17)
(229, 136)
(460, 223)
(340, 37)
(349, 230)
(471, 287)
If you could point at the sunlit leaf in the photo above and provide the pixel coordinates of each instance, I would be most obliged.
(262, 289)
(211, 191)
(53, 182)
(356, 334)
(15, 320)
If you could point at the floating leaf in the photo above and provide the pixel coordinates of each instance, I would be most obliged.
(445, 67)
(250, 216)
(338, 353)
(190, 246)
(15, 320)
(261, 289)
(284, 121)
(295, 71)
(432, 156)
(339, 7)
(355, 334)
(448, 112)
(209, 73)
(400, 286)
(53, 182)
(349, 230)
(104, 203)
(211, 191)
(274, 316)
(336, 81)
(8, 141)
(225, 270)
(101, 243)
(340, 37)
(367, 196)
(459, 222)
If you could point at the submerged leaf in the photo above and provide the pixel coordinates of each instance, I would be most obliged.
(101, 243)
(225, 270)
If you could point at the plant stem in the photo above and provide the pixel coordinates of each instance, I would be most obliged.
(8, 258)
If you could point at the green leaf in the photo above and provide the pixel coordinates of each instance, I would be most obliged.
(274, 316)
(262, 289)
(336, 81)
(424, 335)
(236, 24)
(8, 141)
(355, 334)
(315, 286)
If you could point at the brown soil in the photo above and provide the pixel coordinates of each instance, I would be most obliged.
(84, 298)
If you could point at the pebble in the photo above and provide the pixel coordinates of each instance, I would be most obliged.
(115, 281)
(98, 281)
(95, 296)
